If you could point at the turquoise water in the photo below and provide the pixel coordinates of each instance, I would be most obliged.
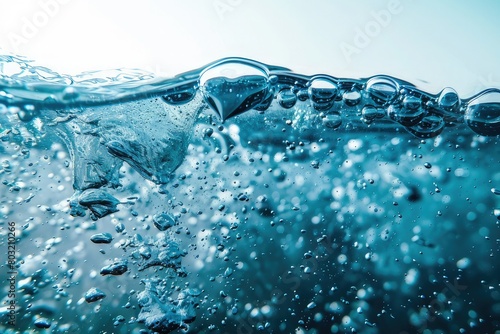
(242, 197)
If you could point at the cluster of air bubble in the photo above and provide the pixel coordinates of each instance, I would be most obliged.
(160, 313)
(235, 85)
(156, 251)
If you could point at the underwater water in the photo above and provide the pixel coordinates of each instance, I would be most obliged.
(242, 198)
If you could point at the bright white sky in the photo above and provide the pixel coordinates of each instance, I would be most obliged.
(446, 43)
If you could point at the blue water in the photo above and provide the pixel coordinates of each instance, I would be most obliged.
(242, 197)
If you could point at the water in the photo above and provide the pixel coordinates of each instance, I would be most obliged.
(242, 197)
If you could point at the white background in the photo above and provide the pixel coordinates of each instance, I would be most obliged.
(430, 43)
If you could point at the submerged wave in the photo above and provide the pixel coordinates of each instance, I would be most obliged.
(274, 201)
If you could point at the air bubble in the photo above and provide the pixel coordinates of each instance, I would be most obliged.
(286, 98)
(429, 127)
(483, 113)
(42, 323)
(179, 95)
(311, 305)
(409, 113)
(93, 295)
(370, 113)
(70, 93)
(163, 221)
(233, 86)
(27, 113)
(351, 98)
(332, 121)
(448, 100)
(382, 90)
(322, 92)
(116, 268)
(101, 238)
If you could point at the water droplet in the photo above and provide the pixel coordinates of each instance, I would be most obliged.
(332, 121)
(382, 90)
(496, 191)
(427, 165)
(483, 113)
(286, 98)
(428, 127)
(351, 98)
(233, 86)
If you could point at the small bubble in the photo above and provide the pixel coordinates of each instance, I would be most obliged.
(42, 323)
(119, 228)
(163, 221)
(351, 98)
(286, 98)
(382, 90)
(483, 114)
(311, 305)
(449, 100)
(332, 121)
(93, 295)
(101, 238)
(70, 93)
